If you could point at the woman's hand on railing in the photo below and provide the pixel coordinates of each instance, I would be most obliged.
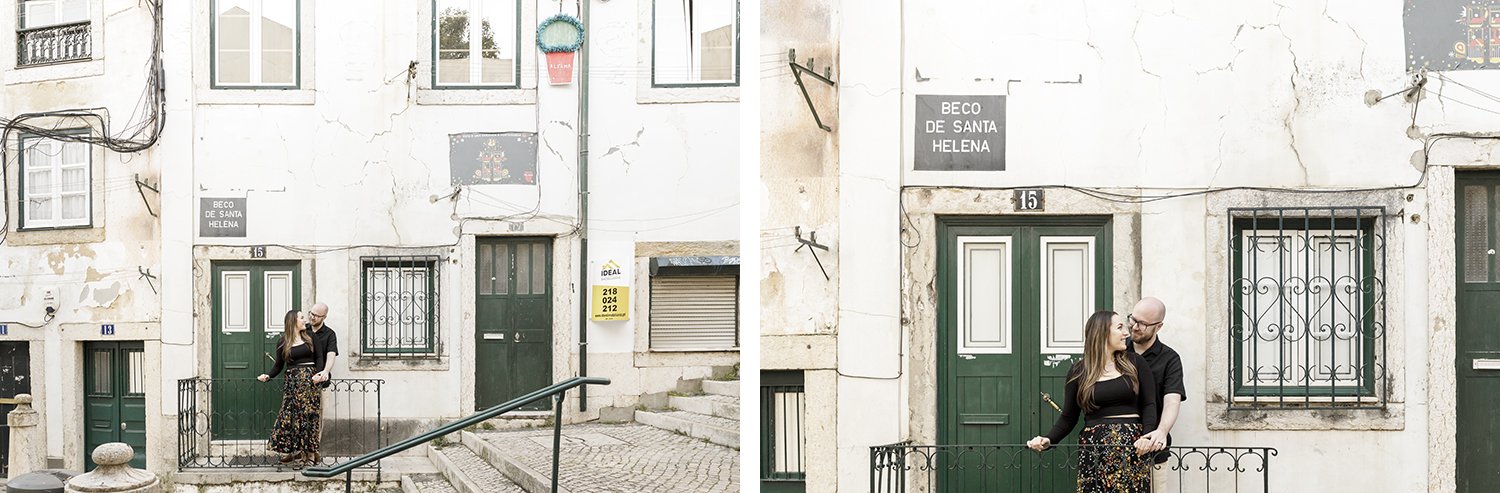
(263, 377)
(1039, 443)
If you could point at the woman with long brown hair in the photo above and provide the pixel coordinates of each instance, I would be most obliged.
(1114, 390)
(297, 429)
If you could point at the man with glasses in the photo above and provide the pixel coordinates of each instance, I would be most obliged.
(1145, 321)
(323, 339)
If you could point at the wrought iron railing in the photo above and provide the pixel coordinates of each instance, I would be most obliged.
(902, 467)
(216, 430)
(54, 44)
(1307, 324)
(555, 391)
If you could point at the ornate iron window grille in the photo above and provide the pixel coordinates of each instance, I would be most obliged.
(1307, 327)
(400, 306)
(54, 44)
(783, 403)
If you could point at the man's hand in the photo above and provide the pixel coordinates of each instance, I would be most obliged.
(1155, 441)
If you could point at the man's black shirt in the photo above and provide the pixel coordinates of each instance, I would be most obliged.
(1166, 369)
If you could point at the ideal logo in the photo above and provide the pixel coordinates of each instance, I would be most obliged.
(610, 269)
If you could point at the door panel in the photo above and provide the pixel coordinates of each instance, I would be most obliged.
(1013, 295)
(249, 301)
(513, 323)
(114, 397)
(1478, 336)
(15, 378)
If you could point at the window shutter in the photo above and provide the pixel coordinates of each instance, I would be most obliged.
(694, 312)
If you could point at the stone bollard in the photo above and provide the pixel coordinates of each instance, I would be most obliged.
(114, 474)
(27, 448)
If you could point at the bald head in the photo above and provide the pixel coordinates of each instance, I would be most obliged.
(317, 314)
(1146, 320)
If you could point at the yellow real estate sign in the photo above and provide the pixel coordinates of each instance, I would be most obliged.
(611, 303)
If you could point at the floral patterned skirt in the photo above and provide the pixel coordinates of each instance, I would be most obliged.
(1112, 469)
(299, 424)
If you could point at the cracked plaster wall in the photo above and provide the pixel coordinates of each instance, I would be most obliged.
(95, 273)
(357, 160)
(1160, 95)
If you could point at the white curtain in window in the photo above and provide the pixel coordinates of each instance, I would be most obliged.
(43, 13)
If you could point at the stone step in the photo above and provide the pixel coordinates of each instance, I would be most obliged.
(722, 406)
(426, 483)
(467, 473)
(529, 479)
(715, 429)
(722, 387)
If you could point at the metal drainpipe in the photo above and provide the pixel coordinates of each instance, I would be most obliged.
(583, 207)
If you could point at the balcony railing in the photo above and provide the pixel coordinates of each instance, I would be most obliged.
(902, 467)
(217, 430)
(54, 44)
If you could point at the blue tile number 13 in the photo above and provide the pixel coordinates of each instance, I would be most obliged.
(107, 329)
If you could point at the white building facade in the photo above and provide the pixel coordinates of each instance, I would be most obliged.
(995, 172)
(412, 165)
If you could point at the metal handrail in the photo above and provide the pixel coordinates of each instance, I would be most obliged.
(508, 406)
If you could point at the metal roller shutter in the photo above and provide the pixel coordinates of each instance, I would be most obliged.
(694, 312)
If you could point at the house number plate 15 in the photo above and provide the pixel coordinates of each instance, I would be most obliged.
(1030, 199)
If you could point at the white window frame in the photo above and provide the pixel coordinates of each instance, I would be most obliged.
(276, 308)
(1007, 334)
(476, 48)
(256, 77)
(1049, 345)
(735, 68)
(55, 170)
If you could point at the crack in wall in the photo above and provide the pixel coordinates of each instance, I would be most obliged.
(1364, 46)
(1289, 121)
(620, 149)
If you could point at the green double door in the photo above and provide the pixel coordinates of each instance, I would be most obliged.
(250, 301)
(1013, 296)
(513, 320)
(114, 399)
(1478, 359)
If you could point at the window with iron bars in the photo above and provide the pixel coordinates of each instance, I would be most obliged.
(399, 306)
(783, 425)
(52, 31)
(1307, 307)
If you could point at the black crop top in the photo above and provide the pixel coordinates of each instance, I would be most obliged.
(302, 355)
(1112, 397)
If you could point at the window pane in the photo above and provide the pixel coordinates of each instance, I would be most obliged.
(75, 153)
(397, 310)
(234, 25)
(502, 265)
(39, 208)
(277, 67)
(539, 268)
(495, 70)
(486, 259)
(523, 269)
(39, 153)
(39, 183)
(74, 179)
(75, 207)
(1476, 234)
(69, 11)
(102, 363)
(497, 42)
(985, 300)
(789, 409)
(453, 42)
(38, 13)
(135, 372)
(694, 41)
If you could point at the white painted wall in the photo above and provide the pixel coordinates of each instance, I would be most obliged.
(1154, 97)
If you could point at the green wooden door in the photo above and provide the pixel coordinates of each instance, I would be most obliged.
(114, 409)
(1013, 295)
(513, 320)
(1478, 361)
(249, 301)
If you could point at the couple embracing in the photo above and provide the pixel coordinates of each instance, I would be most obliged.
(307, 350)
(1128, 387)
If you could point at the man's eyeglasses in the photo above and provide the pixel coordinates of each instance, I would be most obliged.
(1134, 321)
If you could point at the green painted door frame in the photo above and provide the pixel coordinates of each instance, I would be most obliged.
(1477, 365)
(114, 397)
(244, 337)
(513, 320)
(995, 398)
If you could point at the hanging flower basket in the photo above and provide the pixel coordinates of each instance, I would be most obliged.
(560, 36)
